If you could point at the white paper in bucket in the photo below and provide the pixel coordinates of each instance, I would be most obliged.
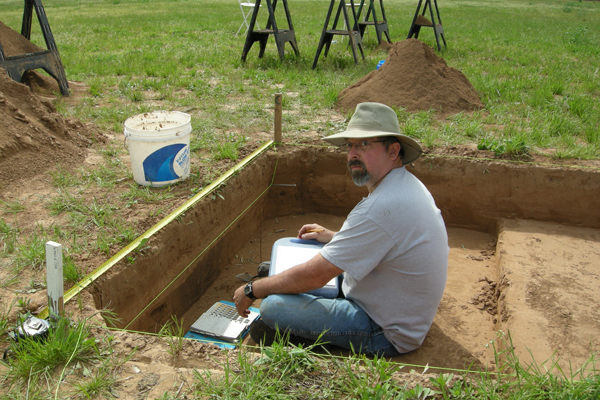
(159, 146)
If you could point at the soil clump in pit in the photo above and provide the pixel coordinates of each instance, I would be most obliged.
(415, 78)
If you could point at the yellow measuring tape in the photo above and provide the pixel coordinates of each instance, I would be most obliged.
(90, 278)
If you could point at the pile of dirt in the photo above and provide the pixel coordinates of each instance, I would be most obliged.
(14, 44)
(415, 78)
(33, 135)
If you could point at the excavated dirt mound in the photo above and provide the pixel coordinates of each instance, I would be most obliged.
(33, 135)
(13, 44)
(415, 78)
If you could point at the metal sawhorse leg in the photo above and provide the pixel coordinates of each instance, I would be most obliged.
(351, 31)
(419, 20)
(381, 26)
(48, 60)
(262, 35)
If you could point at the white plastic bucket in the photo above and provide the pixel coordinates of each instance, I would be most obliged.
(159, 146)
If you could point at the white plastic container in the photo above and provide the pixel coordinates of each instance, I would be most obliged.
(159, 145)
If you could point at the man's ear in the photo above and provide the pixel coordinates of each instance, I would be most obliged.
(394, 150)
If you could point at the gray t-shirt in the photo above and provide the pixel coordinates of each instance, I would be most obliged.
(393, 248)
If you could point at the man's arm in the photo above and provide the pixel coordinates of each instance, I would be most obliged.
(313, 274)
(316, 232)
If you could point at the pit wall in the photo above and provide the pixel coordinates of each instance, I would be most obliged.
(184, 258)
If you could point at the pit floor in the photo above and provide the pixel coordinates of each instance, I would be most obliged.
(535, 281)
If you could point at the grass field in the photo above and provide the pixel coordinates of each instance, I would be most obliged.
(534, 63)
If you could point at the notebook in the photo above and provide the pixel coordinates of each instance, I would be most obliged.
(223, 322)
(289, 252)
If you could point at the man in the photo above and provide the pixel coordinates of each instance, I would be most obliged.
(392, 251)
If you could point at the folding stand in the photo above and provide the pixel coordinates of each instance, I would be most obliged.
(420, 20)
(381, 26)
(48, 60)
(245, 16)
(351, 31)
(262, 35)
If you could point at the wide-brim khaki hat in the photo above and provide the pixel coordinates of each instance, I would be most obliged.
(377, 120)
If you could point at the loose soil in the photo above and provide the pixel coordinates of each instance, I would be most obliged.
(415, 78)
(537, 280)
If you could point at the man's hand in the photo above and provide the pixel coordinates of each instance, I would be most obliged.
(316, 232)
(242, 302)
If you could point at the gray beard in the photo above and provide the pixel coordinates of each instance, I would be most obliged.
(360, 178)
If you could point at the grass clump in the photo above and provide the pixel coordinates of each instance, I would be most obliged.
(291, 371)
(281, 371)
(173, 333)
(67, 342)
(68, 362)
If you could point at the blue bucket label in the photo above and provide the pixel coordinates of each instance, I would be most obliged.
(167, 164)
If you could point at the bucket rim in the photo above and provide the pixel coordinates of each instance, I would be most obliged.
(157, 116)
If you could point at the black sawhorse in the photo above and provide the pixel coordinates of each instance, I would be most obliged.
(381, 26)
(48, 60)
(262, 35)
(419, 20)
(351, 31)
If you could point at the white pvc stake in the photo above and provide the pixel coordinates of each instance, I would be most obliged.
(54, 279)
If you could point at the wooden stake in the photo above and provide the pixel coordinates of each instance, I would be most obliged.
(277, 129)
(54, 279)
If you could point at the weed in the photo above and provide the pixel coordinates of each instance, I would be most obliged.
(66, 343)
(369, 378)
(12, 207)
(5, 309)
(126, 235)
(512, 147)
(146, 195)
(32, 253)
(99, 384)
(71, 272)
(173, 332)
(442, 383)
(62, 179)
(229, 149)
(9, 235)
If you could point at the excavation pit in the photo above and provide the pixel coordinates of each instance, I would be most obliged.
(524, 258)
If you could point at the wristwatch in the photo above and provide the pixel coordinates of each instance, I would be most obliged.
(248, 291)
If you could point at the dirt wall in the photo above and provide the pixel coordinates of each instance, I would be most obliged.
(471, 194)
(476, 194)
(159, 279)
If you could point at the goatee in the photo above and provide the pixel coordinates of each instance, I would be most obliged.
(359, 177)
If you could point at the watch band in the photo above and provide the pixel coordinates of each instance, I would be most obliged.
(248, 291)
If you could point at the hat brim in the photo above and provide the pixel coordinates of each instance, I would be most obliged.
(412, 149)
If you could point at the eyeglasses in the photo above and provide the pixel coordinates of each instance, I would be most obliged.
(360, 146)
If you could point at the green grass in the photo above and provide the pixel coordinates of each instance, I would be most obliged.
(536, 74)
(34, 359)
(290, 371)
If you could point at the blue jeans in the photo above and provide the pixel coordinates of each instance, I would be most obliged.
(342, 322)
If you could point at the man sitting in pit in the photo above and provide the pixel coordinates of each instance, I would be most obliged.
(392, 251)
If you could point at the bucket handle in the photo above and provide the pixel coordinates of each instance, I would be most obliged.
(125, 143)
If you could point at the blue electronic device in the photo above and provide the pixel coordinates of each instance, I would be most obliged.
(289, 252)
